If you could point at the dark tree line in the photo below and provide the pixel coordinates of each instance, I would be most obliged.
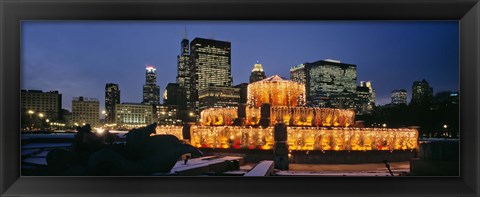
(434, 119)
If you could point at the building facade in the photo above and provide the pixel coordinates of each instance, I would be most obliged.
(422, 92)
(174, 94)
(131, 115)
(183, 68)
(47, 103)
(257, 73)
(330, 83)
(363, 103)
(446, 97)
(167, 115)
(214, 97)
(85, 111)
(67, 118)
(297, 74)
(151, 91)
(210, 66)
(371, 91)
(399, 97)
(112, 97)
(243, 90)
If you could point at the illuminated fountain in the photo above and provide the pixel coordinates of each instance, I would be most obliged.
(218, 116)
(177, 131)
(305, 138)
(277, 92)
(308, 128)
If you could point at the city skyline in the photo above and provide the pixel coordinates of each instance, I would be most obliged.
(84, 56)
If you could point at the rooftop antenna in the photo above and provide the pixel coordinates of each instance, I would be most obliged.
(185, 33)
(211, 36)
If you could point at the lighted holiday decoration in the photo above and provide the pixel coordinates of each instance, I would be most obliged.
(169, 129)
(232, 137)
(277, 92)
(305, 138)
(308, 128)
(218, 116)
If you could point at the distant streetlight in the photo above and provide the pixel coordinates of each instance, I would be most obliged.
(31, 112)
(384, 125)
(191, 114)
(445, 134)
(40, 115)
(47, 120)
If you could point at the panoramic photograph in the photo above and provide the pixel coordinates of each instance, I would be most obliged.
(240, 98)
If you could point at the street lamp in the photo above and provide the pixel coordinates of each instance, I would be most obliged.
(31, 112)
(384, 125)
(105, 115)
(41, 115)
(445, 134)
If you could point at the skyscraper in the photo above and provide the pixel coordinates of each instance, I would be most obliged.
(363, 105)
(330, 83)
(257, 73)
(371, 94)
(112, 97)
(151, 92)
(297, 74)
(174, 95)
(422, 93)
(399, 97)
(183, 67)
(243, 88)
(210, 66)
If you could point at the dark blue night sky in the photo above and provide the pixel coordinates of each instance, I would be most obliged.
(79, 58)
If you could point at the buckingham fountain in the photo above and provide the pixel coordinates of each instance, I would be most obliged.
(276, 118)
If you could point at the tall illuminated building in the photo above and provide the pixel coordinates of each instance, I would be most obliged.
(243, 90)
(173, 95)
(112, 97)
(422, 92)
(363, 100)
(183, 68)
(210, 66)
(257, 73)
(297, 74)
(399, 97)
(151, 91)
(367, 85)
(330, 83)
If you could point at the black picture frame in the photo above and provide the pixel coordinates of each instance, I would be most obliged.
(12, 12)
